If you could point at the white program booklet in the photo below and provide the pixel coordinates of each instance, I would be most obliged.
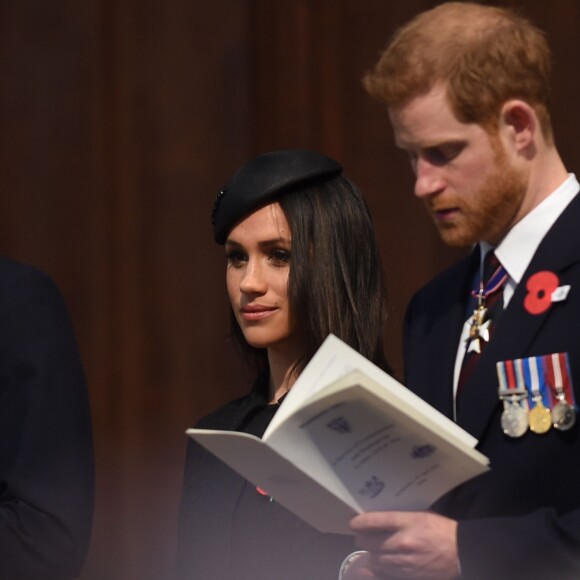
(347, 439)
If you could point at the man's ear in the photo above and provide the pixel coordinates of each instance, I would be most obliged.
(520, 121)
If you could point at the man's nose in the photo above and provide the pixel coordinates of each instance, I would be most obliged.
(428, 179)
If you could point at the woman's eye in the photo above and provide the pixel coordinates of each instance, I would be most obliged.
(280, 257)
(236, 259)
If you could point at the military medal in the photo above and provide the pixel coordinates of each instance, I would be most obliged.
(563, 414)
(512, 392)
(514, 418)
(479, 327)
(536, 392)
(540, 415)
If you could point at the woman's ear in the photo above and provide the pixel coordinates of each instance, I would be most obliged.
(520, 122)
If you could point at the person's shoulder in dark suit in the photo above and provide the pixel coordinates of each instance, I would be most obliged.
(46, 450)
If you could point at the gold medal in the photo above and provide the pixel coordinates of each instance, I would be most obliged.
(540, 417)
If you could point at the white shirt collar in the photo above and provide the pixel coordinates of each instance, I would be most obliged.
(516, 250)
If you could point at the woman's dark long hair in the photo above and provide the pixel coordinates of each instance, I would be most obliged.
(336, 281)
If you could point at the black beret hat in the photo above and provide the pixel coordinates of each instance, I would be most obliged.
(260, 180)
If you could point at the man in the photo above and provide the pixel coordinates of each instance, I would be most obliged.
(467, 92)
(46, 453)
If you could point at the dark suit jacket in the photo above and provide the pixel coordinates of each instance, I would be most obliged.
(212, 529)
(46, 455)
(522, 519)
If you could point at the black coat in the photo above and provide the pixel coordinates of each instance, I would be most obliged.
(522, 519)
(228, 531)
(46, 453)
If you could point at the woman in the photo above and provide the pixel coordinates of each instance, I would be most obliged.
(302, 261)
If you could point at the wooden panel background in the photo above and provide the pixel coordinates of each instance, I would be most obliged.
(120, 121)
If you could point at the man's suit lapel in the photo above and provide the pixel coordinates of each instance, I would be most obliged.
(446, 313)
(518, 328)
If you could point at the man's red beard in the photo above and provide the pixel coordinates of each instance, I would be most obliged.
(490, 213)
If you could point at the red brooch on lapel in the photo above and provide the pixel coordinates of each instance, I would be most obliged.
(541, 287)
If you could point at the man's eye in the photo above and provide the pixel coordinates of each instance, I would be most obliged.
(444, 154)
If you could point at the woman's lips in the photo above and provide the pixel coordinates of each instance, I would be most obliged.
(256, 313)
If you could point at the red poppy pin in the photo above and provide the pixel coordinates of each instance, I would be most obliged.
(541, 287)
